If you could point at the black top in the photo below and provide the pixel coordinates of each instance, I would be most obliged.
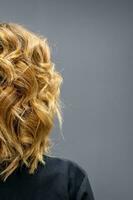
(58, 179)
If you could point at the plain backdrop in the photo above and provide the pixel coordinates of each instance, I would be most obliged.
(91, 44)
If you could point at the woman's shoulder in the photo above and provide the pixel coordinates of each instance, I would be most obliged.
(71, 166)
(75, 175)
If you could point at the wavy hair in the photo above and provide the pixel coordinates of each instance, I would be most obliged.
(29, 98)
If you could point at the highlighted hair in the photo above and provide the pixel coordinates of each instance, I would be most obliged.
(29, 98)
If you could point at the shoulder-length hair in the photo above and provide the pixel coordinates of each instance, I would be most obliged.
(29, 98)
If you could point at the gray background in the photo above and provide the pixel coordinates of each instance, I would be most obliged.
(92, 47)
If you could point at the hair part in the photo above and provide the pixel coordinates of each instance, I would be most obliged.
(29, 98)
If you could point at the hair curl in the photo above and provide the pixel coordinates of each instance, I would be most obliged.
(29, 98)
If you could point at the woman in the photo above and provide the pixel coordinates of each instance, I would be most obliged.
(29, 101)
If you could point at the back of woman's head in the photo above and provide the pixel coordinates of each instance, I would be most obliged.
(29, 98)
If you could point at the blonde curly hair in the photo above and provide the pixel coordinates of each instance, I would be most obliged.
(29, 98)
